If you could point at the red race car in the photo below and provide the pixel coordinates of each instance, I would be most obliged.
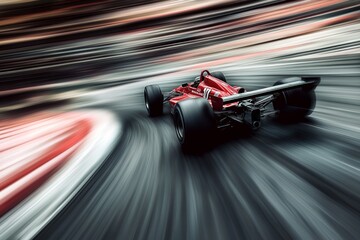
(210, 103)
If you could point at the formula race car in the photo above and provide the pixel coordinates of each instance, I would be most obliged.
(210, 103)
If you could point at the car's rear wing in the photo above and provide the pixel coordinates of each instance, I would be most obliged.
(308, 83)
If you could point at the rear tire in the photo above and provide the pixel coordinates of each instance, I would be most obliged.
(194, 122)
(153, 100)
(219, 75)
(294, 104)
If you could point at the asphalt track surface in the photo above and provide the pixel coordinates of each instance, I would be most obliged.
(292, 181)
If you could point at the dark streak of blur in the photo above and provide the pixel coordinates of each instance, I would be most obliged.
(295, 181)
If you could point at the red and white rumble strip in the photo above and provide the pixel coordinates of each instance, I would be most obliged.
(44, 160)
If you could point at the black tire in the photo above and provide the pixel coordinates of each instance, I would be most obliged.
(194, 122)
(219, 75)
(153, 100)
(294, 104)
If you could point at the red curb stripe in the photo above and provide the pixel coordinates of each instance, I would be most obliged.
(79, 131)
(14, 190)
(16, 141)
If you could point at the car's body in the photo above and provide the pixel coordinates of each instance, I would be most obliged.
(207, 88)
(210, 102)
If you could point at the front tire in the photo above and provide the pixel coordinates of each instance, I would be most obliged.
(153, 100)
(194, 122)
(294, 104)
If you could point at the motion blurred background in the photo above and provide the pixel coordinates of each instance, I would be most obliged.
(80, 159)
